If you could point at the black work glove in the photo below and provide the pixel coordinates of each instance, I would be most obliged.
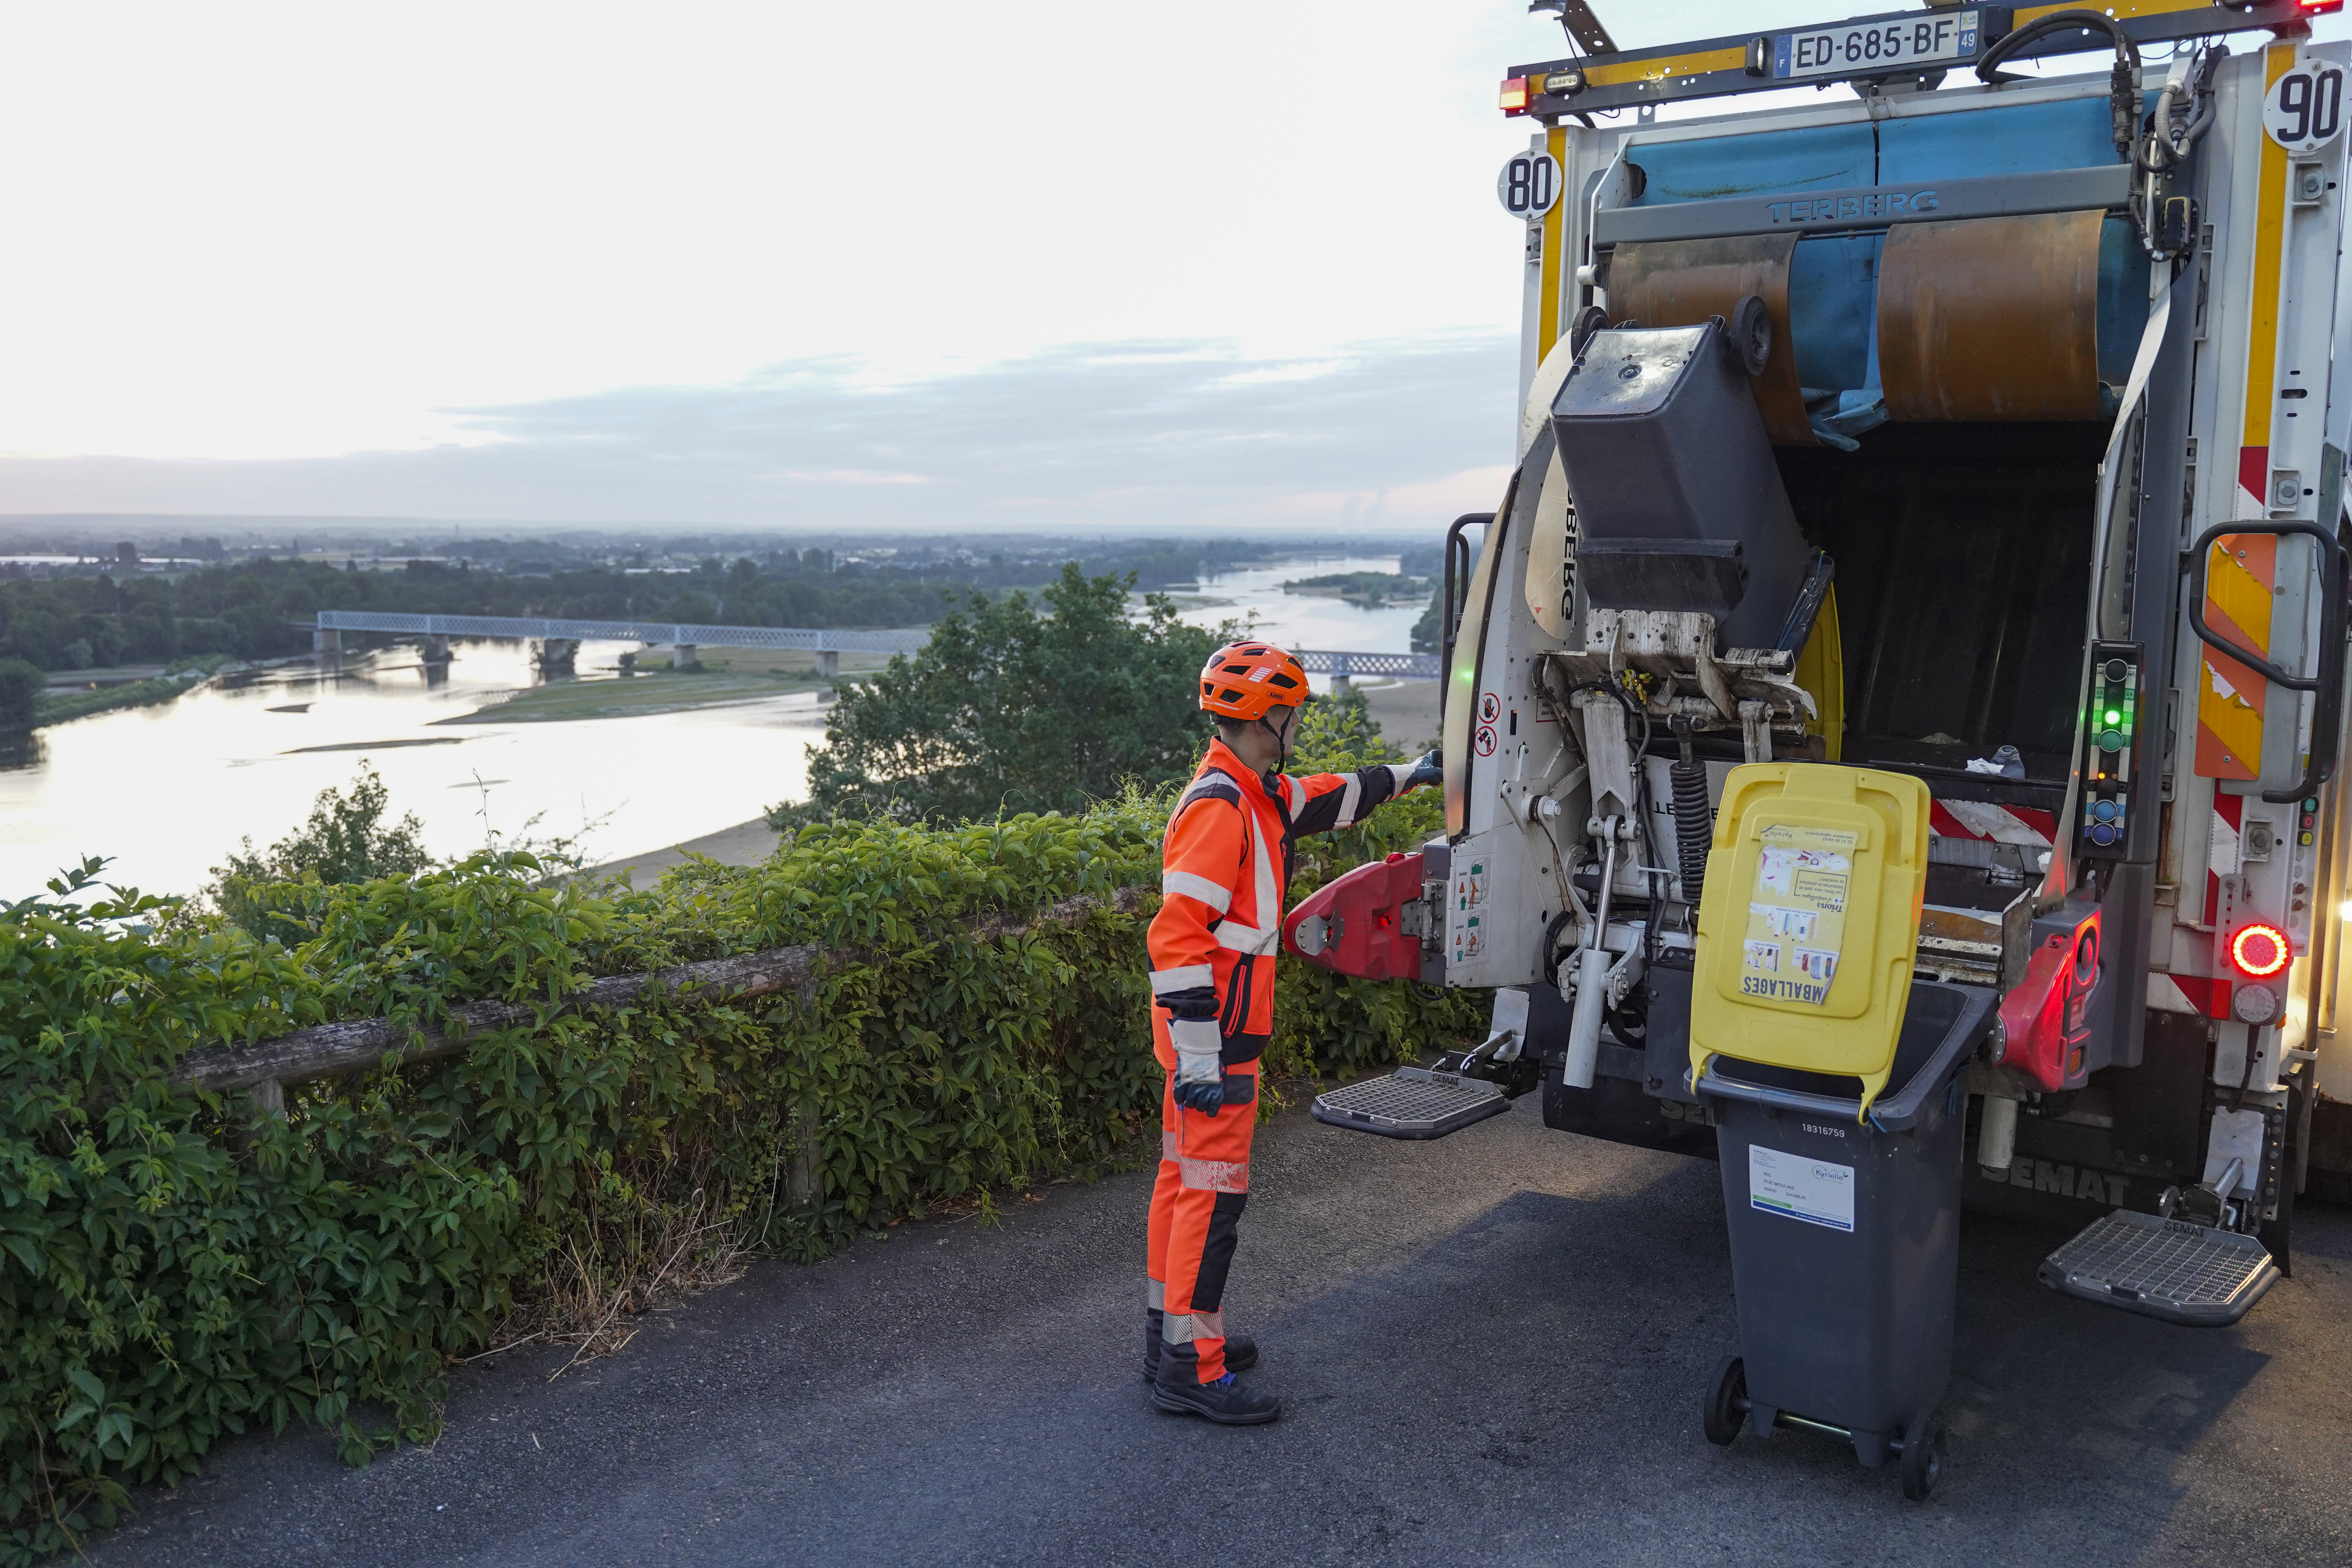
(1430, 770)
(1208, 1098)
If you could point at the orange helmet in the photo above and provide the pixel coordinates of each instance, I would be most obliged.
(1251, 680)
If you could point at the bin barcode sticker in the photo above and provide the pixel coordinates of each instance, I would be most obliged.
(1814, 1191)
(1796, 914)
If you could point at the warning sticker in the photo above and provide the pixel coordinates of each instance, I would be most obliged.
(1814, 1191)
(1796, 914)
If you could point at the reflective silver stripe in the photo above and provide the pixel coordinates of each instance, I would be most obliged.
(1155, 1294)
(1269, 900)
(1205, 1175)
(1213, 1175)
(1347, 799)
(1397, 771)
(1247, 939)
(1194, 1038)
(1163, 981)
(1183, 1328)
(1191, 887)
(1293, 793)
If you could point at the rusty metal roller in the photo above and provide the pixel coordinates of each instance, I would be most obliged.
(1991, 319)
(1681, 282)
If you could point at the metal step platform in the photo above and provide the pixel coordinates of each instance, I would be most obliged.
(1412, 1102)
(2166, 1269)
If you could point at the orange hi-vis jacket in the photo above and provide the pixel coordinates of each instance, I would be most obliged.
(1224, 868)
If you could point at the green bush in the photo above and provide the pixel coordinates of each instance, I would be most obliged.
(175, 1267)
(345, 840)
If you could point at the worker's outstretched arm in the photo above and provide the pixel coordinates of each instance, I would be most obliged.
(1322, 802)
(1200, 865)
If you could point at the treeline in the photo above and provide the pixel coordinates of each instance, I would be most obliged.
(260, 609)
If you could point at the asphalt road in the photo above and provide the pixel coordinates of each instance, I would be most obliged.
(1492, 1350)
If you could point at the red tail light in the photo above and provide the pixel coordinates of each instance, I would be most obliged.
(1514, 96)
(2261, 950)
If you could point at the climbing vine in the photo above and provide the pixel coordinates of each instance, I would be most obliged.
(177, 1266)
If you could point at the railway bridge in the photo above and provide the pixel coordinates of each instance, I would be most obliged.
(560, 639)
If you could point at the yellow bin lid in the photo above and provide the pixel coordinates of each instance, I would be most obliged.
(1810, 919)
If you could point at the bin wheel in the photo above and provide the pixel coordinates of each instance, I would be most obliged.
(1727, 1403)
(1589, 320)
(1923, 1456)
(1750, 330)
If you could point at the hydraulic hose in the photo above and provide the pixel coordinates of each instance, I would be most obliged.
(2168, 145)
(2123, 93)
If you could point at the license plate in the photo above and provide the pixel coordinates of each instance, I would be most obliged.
(1858, 48)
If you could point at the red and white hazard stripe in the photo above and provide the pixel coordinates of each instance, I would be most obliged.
(1992, 824)
(2196, 994)
(2221, 850)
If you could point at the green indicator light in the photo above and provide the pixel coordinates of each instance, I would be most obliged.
(2114, 717)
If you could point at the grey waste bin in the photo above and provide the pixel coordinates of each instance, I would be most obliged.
(1845, 1240)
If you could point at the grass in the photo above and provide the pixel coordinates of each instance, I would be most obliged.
(738, 674)
(61, 707)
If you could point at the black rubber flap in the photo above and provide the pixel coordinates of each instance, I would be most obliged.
(1702, 574)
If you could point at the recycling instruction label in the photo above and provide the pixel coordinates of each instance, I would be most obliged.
(1815, 1190)
(1796, 914)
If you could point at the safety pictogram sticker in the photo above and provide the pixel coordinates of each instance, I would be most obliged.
(1490, 707)
(1486, 739)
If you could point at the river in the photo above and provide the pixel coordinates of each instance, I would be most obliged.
(167, 791)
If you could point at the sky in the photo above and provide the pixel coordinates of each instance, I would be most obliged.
(1034, 264)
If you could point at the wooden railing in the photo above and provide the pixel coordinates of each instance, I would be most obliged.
(263, 1067)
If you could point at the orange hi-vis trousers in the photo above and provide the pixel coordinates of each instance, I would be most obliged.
(1203, 1187)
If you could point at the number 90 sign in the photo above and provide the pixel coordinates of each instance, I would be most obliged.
(2305, 108)
(1528, 186)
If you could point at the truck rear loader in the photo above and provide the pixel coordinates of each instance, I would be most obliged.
(1891, 716)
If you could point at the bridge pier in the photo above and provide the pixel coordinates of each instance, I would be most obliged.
(685, 655)
(327, 642)
(437, 648)
(556, 655)
(829, 662)
(1339, 674)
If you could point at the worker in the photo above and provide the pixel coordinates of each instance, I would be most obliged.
(1223, 866)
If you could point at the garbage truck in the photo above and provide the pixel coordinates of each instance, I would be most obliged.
(1891, 716)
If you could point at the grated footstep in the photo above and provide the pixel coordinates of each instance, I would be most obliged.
(2166, 1269)
(1411, 1103)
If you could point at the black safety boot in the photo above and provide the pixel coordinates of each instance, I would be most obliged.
(1228, 1402)
(1240, 1354)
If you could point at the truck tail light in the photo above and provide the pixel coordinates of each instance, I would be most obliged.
(2260, 951)
(2045, 1031)
(1513, 99)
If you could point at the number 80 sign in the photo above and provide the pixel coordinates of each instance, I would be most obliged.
(1528, 186)
(2305, 108)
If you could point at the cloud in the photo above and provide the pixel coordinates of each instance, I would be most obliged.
(1153, 434)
